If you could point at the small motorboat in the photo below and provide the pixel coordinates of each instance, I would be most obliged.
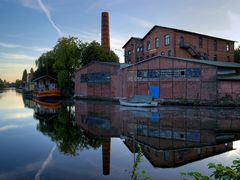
(139, 101)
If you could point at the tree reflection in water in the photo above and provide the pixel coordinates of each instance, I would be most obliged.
(68, 137)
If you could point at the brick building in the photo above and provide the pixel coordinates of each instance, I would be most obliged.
(178, 43)
(168, 64)
(164, 78)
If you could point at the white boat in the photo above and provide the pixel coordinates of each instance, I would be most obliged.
(137, 104)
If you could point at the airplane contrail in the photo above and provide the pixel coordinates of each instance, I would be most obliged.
(48, 14)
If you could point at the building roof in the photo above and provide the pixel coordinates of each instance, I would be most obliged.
(233, 77)
(136, 38)
(189, 32)
(42, 77)
(100, 62)
(213, 63)
(174, 29)
(207, 62)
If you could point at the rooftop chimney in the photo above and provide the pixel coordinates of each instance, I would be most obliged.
(105, 39)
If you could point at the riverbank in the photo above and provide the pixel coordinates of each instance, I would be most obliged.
(224, 102)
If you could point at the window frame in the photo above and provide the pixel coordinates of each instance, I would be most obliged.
(167, 40)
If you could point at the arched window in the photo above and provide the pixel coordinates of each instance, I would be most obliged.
(167, 40)
(181, 41)
(157, 42)
(148, 45)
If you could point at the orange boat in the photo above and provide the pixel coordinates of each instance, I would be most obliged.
(47, 93)
(45, 87)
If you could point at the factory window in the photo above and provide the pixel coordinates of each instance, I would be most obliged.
(182, 73)
(148, 45)
(181, 41)
(228, 58)
(167, 40)
(215, 57)
(215, 45)
(169, 53)
(141, 49)
(96, 77)
(138, 49)
(129, 52)
(227, 47)
(200, 42)
(157, 42)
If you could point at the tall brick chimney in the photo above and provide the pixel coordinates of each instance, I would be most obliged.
(105, 39)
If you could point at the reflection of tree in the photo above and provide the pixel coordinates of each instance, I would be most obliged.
(68, 137)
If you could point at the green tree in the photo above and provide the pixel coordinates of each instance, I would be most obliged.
(67, 53)
(24, 76)
(31, 71)
(45, 65)
(1, 84)
(94, 52)
(237, 55)
(18, 83)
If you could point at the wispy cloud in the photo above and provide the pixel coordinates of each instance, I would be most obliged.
(34, 48)
(30, 4)
(48, 14)
(45, 164)
(139, 22)
(13, 56)
(8, 127)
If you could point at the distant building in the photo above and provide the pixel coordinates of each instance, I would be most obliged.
(172, 42)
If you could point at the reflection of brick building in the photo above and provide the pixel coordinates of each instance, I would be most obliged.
(169, 136)
(178, 43)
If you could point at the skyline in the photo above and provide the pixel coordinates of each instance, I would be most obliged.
(31, 27)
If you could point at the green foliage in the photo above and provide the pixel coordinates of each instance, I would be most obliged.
(94, 52)
(2, 85)
(219, 172)
(24, 76)
(63, 79)
(135, 175)
(68, 138)
(237, 55)
(67, 56)
(18, 83)
(45, 65)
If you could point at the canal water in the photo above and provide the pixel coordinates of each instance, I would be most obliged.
(99, 140)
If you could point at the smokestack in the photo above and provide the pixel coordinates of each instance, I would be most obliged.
(106, 148)
(105, 39)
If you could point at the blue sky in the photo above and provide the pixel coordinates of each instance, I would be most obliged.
(30, 27)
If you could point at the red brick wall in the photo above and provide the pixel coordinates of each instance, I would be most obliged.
(105, 89)
(160, 33)
(229, 89)
(175, 35)
(203, 88)
(132, 46)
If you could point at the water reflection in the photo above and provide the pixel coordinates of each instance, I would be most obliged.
(169, 136)
(57, 121)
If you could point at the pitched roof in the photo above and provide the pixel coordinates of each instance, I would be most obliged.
(184, 31)
(130, 40)
(100, 62)
(174, 29)
(207, 62)
(45, 76)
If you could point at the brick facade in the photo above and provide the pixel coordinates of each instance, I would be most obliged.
(181, 44)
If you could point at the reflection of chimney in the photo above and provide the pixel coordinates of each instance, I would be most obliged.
(106, 147)
(105, 41)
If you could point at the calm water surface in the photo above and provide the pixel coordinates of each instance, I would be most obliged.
(98, 140)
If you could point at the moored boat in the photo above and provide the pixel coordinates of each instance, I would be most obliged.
(139, 101)
(45, 88)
